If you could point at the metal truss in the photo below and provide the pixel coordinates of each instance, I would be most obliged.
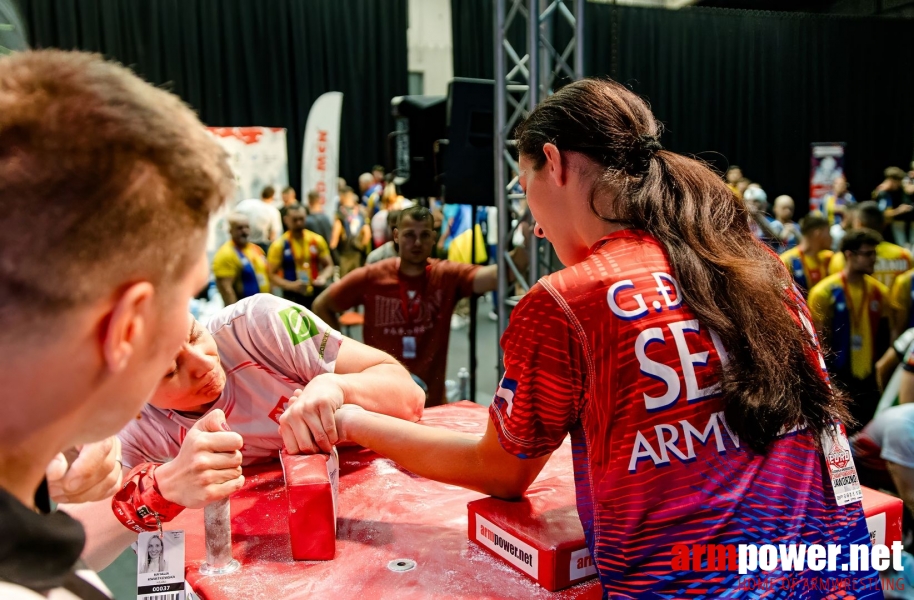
(521, 82)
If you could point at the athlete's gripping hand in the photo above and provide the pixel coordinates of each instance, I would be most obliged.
(86, 473)
(308, 426)
(208, 467)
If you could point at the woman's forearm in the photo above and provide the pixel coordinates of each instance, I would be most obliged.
(463, 459)
(438, 454)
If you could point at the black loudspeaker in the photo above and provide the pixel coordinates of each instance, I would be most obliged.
(469, 161)
(421, 121)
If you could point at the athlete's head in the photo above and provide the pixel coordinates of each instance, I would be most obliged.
(859, 248)
(840, 185)
(783, 208)
(816, 232)
(296, 217)
(734, 174)
(756, 199)
(348, 197)
(591, 154)
(288, 196)
(893, 178)
(366, 180)
(106, 188)
(415, 235)
(742, 185)
(239, 228)
(195, 377)
(868, 215)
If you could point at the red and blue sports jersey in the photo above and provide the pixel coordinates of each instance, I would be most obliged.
(607, 351)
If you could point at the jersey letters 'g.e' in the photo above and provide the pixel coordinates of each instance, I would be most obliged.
(608, 351)
(269, 347)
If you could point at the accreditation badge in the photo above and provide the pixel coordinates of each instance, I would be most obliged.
(160, 566)
(856, 342)
(841, 469)
(409, 346)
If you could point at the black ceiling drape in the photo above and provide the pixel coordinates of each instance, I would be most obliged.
(243, 62)
(751, 88)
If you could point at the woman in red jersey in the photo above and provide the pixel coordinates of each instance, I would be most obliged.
(674, 351)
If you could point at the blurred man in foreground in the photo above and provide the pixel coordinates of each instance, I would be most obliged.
(94, 285)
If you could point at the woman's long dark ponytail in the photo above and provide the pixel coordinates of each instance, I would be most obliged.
(737, 287)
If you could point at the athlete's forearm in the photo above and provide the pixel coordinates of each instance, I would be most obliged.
(323, 308)
(462, 459)
(438, 454)
(387, 388)
(327, 272)
(106, 537)
(282, 283)
(224, 285)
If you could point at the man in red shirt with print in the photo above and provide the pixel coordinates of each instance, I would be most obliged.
(409, 300)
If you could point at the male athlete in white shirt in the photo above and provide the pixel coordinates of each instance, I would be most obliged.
(264, 373)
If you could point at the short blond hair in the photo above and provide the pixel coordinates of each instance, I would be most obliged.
(104, 180)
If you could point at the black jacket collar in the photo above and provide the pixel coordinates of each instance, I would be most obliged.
(37, 551)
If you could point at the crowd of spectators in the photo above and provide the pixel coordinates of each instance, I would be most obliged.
(402, 269)
(851, 260)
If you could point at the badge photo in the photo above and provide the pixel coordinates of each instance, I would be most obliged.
(160, 565)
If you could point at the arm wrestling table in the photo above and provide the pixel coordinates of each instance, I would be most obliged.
(385, 513)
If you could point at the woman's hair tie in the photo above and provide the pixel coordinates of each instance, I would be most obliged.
(638, 160)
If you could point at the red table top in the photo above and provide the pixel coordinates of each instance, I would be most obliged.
(385, 513)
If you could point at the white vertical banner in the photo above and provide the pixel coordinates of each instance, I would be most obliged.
(258, 158)
(321, 153)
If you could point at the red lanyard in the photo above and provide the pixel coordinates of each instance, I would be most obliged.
(814, 275)
(304, 242)
(856, 315)
(306, 246)
(408, 312)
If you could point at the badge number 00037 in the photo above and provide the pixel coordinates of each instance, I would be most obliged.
(160, 565)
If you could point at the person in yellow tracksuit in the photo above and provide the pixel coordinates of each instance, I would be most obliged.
(891, 260)
(808, 262)
(299, 261)
(836, 202)
(240, 266)
(851, 312)
(903, 302)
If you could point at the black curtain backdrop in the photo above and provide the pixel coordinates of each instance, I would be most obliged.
(746, 87)
(243, 62)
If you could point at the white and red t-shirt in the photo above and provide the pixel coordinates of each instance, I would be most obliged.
(608, 351)
(269, 347)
